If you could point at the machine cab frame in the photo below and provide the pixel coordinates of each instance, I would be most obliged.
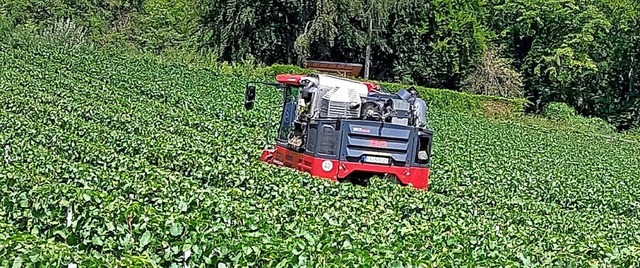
(346, 146)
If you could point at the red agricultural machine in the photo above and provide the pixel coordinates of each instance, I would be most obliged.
(343, 129)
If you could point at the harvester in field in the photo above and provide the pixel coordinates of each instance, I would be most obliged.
(343, 129)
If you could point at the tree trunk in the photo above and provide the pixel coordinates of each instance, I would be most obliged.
(286, 42)
(367, 59)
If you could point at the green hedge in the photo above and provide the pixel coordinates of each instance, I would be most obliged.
(556, 115)
(565, 114)
(464, 102)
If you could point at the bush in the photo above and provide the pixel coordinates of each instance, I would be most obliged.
(633, 133)
(495, 76)
(559, 111)
(65, 31)
(596, 124)
(163, 25)
(563, 112)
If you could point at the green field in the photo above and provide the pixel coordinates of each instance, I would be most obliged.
(111, 159)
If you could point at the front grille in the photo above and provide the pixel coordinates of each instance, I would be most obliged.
(377, 139)
(356, 146)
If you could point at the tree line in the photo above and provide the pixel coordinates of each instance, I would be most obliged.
(585, 53)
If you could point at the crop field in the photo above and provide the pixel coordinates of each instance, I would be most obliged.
(110, 159)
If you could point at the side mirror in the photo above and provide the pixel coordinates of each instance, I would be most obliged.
(249, 96)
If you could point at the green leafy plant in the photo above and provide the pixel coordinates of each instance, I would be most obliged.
(559, 111)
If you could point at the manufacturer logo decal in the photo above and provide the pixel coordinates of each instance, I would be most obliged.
(378, 143)
(361, 130)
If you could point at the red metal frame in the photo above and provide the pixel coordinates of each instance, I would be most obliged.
(294, 80)
(289, 79)
(417, 177)
(371, 86)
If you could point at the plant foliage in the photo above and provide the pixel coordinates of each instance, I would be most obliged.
(115, 159)
(495, 76)
(584, 53)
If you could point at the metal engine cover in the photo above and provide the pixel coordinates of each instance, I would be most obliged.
(340, 103)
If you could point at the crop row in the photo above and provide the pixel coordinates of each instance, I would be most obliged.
(408, 232)
(133, 135)
(147, 206)
(116, 210)
(170, 86)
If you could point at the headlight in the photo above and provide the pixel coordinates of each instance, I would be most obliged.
(422, 155)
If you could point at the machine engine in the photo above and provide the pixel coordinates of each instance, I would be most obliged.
(325, 96)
